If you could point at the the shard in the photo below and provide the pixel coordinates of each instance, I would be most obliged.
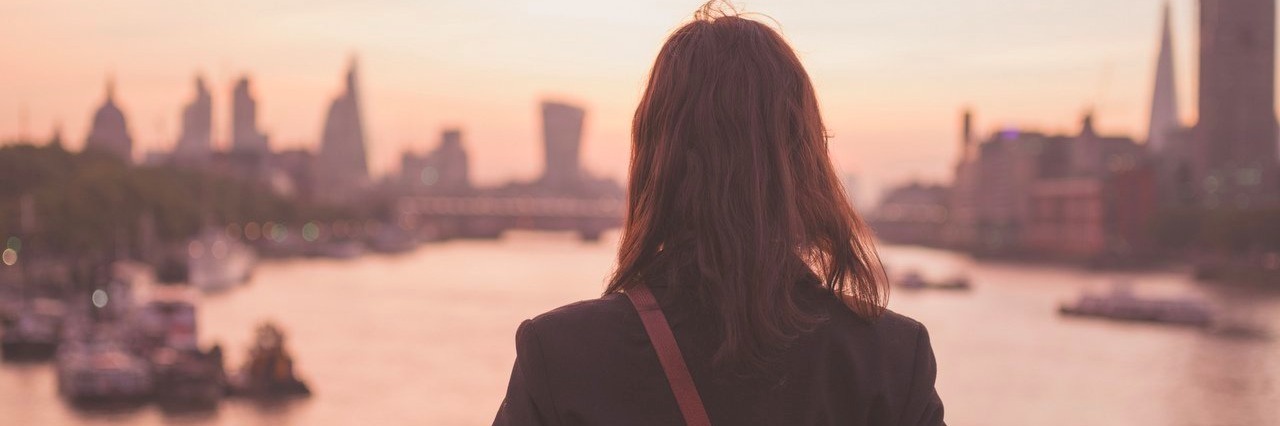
(1164, 98)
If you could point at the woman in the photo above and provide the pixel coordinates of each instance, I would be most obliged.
(765, 275)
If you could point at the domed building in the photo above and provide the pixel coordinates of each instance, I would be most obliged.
(110, 131)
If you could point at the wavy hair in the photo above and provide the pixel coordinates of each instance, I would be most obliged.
(730, 175)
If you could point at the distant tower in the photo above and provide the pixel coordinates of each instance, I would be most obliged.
(562, 136)
(454, 170)
(245, 136)
(1236, 136)
(342, 147)
(1164, 98)
(110, 131)
(444, 170)
(194, 143)
(962, 200)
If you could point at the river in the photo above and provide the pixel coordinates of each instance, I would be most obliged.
(427, 338)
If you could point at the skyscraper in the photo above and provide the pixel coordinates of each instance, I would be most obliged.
(194, 143)
(245, 136)
(342, 149)
(1164, 97)
(1236, 136)
(562, 136)
(110, 132)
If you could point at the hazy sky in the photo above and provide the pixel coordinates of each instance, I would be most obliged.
(892, 75)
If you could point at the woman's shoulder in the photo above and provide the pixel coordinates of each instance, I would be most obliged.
(581, 321)
(606, 308)
(892, 331)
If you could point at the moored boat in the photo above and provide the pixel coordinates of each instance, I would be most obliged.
(35, 333)
(1121, 303)
(102, 371)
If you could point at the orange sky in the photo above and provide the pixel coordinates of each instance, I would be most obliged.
(892, 74)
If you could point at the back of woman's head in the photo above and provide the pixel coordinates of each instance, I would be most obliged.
(730, 172)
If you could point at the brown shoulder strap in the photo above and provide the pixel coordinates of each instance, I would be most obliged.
(655, 323)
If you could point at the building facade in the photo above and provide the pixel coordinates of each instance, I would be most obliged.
(1235, 160)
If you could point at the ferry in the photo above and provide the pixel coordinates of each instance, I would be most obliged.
(913, 280)
(1122, 304)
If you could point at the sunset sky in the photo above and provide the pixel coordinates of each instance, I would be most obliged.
(892, 75)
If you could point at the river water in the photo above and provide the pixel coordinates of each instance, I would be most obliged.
(427, 338)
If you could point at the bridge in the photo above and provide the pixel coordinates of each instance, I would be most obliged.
(488, 216)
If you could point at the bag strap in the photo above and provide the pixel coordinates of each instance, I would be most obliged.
(669, 355)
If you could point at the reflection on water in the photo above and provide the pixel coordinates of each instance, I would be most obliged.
(427, 338)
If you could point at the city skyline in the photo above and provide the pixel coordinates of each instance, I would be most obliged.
(890, 92)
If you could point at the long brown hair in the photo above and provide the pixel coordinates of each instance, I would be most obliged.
(730, 172)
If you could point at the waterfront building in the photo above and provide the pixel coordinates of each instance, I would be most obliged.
(1092, 217)
(915, 213)
(1022, 192)
(195, 141)
(1234, 162)
(110, 131)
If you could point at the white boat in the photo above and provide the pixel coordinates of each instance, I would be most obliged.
(216, 262)
(1121, 303)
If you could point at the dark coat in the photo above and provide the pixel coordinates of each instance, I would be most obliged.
(591, 363)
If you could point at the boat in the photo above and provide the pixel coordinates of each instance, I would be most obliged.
(164, 323)
(914, 280)
(101, 370)
(35, 333)
(269, 372)
(1121, 303)
(959, 282)
(188, 379)
(164, 331)
(216, 263)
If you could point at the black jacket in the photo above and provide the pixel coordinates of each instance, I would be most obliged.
(591, 363)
